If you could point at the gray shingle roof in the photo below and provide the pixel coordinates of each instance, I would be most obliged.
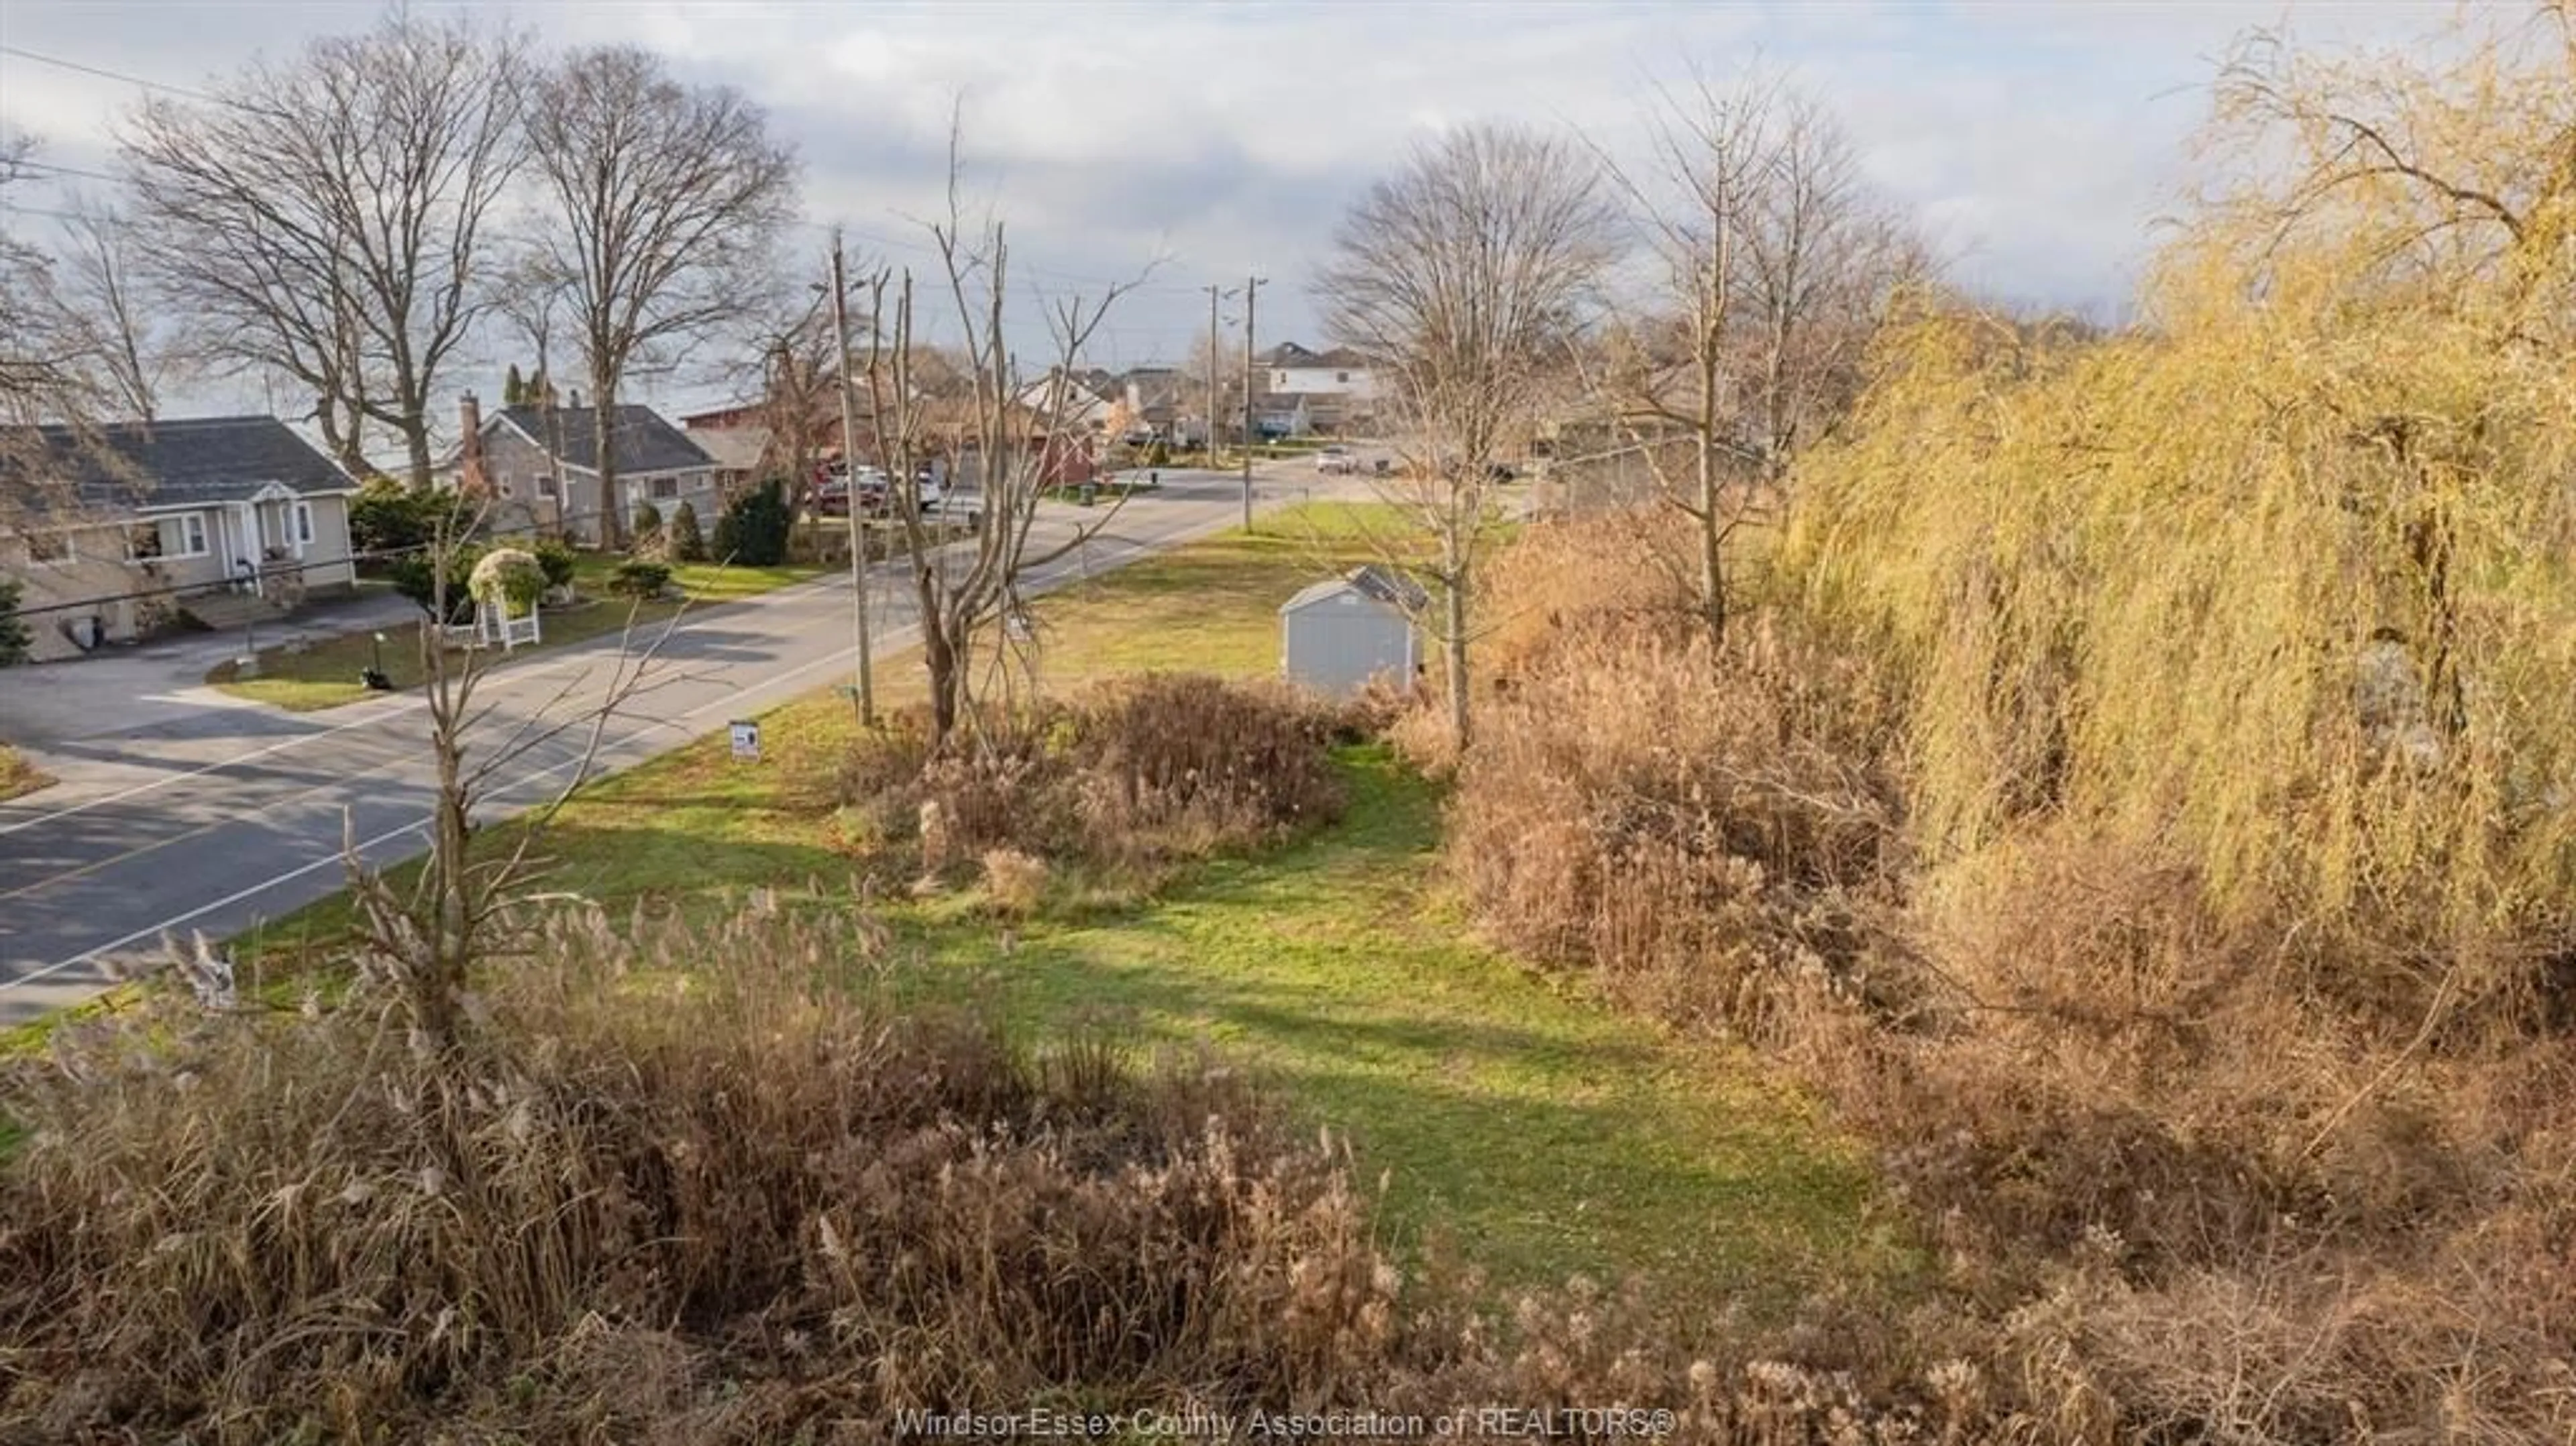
(178, 461)
(1391, 588)
(640, 440)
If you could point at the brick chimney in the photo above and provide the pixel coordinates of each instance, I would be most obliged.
(469, 464)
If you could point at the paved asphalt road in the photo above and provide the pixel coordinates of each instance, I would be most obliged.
(233, 814)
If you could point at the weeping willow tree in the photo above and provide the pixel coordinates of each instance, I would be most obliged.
(2282, 577)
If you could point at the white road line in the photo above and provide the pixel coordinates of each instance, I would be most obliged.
(375, 716)
(202, 909)
(333, 857)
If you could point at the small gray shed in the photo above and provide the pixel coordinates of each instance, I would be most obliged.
(1339, 633)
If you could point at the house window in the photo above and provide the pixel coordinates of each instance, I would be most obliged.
(1279, 379)
(665, 488)
(49, 547)
(304, 524)
(180, 536)
(545, 487)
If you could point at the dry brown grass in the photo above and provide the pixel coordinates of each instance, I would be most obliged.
(18, 777)
(2188, 1183)
(1703, 826)
(1014, 883)
(1129, 776)
(648, 1176)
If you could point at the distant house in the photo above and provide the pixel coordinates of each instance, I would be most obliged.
(1085, 405)
(740, 453)
(513, 456)
(107, 534)
(1338, 389)
(1154, 402)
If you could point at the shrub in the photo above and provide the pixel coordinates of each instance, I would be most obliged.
(1177, 765)
(416, 576)
(509, 579)
(753, 530)
(687, 543)
(644, 529)
(1133, 774)
(15, 640)
(638, 578)
(558, 560)
(1159, 454)
(388, 516)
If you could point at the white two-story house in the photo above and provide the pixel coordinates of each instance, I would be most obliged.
(1331, 391)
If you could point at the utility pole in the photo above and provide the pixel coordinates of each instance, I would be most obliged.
(1212, 372)
(850, 472)
(1251, 295)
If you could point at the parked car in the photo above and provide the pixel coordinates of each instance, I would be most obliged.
(1336, 458)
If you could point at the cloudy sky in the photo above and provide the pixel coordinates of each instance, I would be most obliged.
(2036, 142)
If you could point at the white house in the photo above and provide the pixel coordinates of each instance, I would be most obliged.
(1337, 388)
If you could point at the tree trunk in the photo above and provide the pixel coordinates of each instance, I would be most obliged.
(1712, 531)
(415, 431)
(612, 516)
(435, 993)
(343, 446)
(939, 657)
(1455, 639)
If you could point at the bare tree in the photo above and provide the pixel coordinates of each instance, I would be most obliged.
(1466, 277)
(1775, 262)
(326, 217)
(791, 362)
(668, 200)
(533, 299)
(1006, 437)
(423, 940)
(46, 373)
(135, 355)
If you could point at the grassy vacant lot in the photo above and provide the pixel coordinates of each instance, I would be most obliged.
(1508, 1111)
(325, 674)
(17, 775)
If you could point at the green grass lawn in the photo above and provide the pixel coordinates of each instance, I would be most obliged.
(1511, 1114)
(1536, 1130)
(324, 674)
(18, 777)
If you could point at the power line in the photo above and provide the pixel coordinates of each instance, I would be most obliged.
(61, 64)
(50, 167)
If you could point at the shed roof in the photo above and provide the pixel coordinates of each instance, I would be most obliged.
(1379, 585)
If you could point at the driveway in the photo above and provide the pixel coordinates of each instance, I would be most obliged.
(200, 812)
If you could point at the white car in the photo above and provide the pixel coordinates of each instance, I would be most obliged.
(1336, 459)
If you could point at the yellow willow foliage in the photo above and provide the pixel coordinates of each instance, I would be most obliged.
(2138, 582)
(2135, 581)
